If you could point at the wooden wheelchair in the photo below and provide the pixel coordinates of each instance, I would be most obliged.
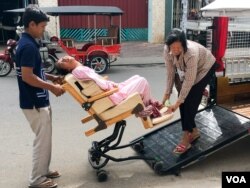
(99, 107)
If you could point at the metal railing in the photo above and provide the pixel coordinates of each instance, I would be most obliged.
(237, 69)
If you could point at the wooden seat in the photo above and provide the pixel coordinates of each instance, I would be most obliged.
(98, 105)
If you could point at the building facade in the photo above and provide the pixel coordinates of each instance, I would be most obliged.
(53, 26)
(145, 20)
(142, 20)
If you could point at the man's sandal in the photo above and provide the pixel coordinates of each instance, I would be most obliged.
(48, 183)
(181, 148)
(53, 174)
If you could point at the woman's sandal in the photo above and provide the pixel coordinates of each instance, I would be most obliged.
(193, 139)
(181, 148)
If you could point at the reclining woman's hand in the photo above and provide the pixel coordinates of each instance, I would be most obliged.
(115, 85)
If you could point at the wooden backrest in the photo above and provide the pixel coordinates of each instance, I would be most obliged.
(87, 89)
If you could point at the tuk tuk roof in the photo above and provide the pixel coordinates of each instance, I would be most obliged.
(76, 10)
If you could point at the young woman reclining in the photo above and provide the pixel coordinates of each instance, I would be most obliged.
(133, 84)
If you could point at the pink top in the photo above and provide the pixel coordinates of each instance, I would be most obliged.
(126, 88)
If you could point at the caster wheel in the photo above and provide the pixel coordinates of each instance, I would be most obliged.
(139, 147)
(102, 175)
(157, 166)
(177, 172)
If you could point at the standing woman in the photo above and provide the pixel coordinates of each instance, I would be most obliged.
(190, 66)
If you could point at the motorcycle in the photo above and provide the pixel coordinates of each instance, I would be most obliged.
(7, 62)
(48, 54)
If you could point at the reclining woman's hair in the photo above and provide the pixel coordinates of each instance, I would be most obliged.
(61, 71)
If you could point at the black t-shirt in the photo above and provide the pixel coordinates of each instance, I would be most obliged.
(28, 55)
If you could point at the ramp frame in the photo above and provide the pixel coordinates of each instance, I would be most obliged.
(218, 126)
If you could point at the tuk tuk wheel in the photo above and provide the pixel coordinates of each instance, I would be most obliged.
(99, 64)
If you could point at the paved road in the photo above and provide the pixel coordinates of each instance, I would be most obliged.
(131, 53)
(70, 146)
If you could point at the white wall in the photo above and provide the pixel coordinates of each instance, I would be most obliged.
(156, 21)
(53, 26)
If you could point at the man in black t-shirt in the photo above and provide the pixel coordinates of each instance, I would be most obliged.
(34, 96)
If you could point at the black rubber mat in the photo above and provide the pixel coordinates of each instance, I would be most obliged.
(218, 126)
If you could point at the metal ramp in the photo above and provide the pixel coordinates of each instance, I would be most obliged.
(219, 127)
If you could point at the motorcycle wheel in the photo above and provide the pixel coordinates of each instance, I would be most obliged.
(5, 68)
(99, 64)
(49, 65)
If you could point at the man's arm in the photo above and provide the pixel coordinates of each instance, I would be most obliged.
(55, 79)
(35, 81)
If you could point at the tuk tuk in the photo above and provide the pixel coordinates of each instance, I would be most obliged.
(101, 51)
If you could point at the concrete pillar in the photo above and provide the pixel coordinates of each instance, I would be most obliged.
(156, 21)
(168, 16)
(53, 26)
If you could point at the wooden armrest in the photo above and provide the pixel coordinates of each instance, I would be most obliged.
(102, 95)
(65, 85)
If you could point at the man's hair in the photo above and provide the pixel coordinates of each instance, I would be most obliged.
(177, 35)
(33, 13)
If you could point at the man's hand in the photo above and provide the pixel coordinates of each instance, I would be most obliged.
(57, 90)
(55, 79)
(33, 80)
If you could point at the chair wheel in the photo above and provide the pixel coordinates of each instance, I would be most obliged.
(157, 166)
(102, 175)
(177, 172)
(139, 147)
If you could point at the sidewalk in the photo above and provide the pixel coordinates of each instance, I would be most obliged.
(140, 53)
(133, 53)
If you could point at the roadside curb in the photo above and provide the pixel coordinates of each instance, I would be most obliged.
(138, 64)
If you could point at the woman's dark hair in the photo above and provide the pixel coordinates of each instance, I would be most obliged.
(61, 71)
(177, 35)
(33, 13)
